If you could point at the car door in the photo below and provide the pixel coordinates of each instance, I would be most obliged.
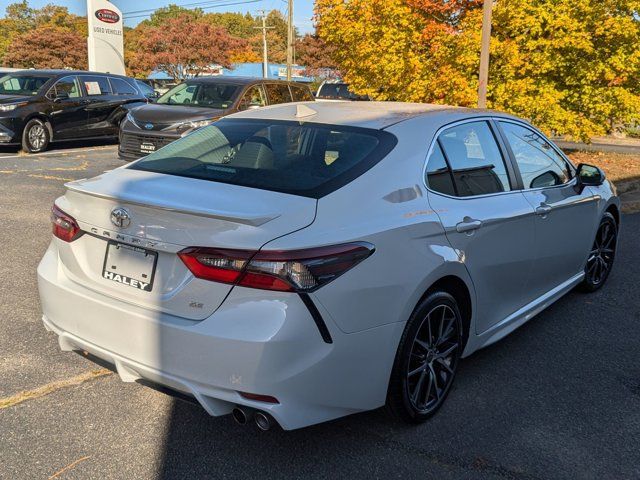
(488, 221)
(68, 112)
(101, 104)
(565, 218)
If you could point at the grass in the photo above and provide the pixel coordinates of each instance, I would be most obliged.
(618, 167)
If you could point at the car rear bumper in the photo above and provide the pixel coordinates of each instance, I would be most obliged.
(257, 342)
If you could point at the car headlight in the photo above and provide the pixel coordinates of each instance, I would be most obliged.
(198, 124)
(10, 107)
(131, 119)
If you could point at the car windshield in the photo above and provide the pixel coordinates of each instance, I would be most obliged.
(193, 94)
(22, 84)
(338, 91)
(303, 159)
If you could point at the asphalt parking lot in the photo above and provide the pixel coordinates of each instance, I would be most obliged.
(559, 398)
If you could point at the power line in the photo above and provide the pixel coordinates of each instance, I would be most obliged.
(196, 4)
(242, 2)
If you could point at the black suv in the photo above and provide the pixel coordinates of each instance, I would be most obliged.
(197, 103)
(42, 106)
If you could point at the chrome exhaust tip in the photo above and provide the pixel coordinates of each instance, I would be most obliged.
(239, 415)
(262, 421)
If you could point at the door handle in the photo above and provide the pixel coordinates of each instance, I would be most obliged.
(543, 209)
(468, 225)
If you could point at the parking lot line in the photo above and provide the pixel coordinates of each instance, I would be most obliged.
(52, 387)
(59, 152)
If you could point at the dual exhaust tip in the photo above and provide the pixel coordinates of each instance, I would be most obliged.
(242, 415)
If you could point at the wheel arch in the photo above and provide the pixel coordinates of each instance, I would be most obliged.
(39, 116)
(615, 212)
(458, 289)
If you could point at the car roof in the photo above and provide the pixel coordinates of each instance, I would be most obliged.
(54, 72)
(377, 115)
(235, 80)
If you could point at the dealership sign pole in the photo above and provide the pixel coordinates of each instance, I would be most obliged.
(105, 42)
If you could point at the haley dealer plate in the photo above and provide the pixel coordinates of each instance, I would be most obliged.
(129, 265)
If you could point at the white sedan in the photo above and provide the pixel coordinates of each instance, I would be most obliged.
(302, 262)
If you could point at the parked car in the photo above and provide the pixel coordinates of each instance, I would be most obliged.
(299, 263)
(333, 91)
(38, 107)
(197, 103)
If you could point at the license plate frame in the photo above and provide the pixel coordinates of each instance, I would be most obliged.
(116, 251)
(148, 147)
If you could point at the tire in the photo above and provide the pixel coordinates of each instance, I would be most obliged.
(602, 255)
(35, 137)
(422, 359)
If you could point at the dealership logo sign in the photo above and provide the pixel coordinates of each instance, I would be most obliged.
(107, 16)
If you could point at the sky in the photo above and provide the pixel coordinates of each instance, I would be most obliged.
(303, 9)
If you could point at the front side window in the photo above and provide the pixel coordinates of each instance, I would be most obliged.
(254, 97)
(22, 84)
(472, 159)
(310, 160)
(205, 95)
(95, 86)
(67, 86)
(122, 87)
(278, 93)
(540, 165)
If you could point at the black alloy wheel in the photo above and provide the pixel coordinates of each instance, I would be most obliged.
(427, 359)
(602, 254)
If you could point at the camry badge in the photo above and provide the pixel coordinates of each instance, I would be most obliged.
(120, 218)
(149, 126)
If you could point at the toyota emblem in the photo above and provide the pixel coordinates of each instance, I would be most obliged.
(120, 218)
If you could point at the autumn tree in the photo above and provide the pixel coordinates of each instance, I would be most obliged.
(48, 47)
(170, 48)
(315, 54)
(571, 67)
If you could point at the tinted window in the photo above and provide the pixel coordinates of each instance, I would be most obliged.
(338, 91)
(310, 160)
(21, 84)
(278, 93)
(145, 88)
(122, 87)
(439, 177)
(254, 97)
(68, 85)
(475, 159)
(301, 94)
(209, 95)
(540, 165)
(96, 85)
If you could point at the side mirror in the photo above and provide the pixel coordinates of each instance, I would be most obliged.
(588, 176)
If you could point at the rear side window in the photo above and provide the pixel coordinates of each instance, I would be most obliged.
(122, 87)
(96, 85)
(540, 165)
(278, 93)
(473, 160)
(301, 94)
(311, 160)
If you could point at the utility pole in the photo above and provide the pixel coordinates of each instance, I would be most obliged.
(290, 39)
(264, 28)
(485, 53)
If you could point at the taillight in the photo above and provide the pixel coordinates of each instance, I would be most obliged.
(64, 226)
(285, 271)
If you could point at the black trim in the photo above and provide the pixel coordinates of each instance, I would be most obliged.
(317, 317)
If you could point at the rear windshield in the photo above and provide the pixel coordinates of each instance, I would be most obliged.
(308, 159)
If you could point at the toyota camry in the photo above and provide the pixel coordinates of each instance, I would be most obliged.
(302, 262)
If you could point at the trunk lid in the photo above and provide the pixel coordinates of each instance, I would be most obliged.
(167, 214)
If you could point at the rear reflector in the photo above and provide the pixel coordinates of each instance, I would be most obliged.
(259, 398)
(285, 271)
(64, 226)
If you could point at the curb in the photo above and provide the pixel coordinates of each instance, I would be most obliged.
(629, 193)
